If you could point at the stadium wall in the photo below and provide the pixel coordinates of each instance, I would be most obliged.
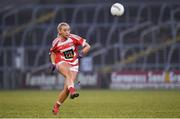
(113, 80)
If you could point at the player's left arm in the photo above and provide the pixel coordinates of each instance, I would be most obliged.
(85, 49)
(79, 41)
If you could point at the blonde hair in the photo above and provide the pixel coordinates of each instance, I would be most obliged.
(60, 25)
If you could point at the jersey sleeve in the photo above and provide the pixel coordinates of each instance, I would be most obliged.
(79, 41)
(54, 45)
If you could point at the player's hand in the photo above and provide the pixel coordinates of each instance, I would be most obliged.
(81, 55)
(52, 68)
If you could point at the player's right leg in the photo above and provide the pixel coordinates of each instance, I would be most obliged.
(74, 75)
(64, 93)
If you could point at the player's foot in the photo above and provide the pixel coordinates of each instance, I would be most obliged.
(55, 109)
(74, 95)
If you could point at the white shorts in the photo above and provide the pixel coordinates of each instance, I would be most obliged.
(73, 68)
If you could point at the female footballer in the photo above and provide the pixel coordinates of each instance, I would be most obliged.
(64, 56)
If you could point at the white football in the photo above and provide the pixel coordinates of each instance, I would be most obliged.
(117, 9)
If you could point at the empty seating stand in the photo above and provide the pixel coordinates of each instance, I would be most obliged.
(146, 33)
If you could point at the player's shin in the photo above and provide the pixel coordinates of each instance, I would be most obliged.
(72, 90)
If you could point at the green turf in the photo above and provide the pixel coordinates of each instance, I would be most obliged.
(92, 103)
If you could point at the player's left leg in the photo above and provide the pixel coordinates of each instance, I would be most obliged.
(68, 73)
(61, 98)
(63, 94)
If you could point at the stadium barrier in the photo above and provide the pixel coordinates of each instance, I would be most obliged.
(43, 79)
(145, 79)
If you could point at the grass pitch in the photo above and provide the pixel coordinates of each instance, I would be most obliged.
(92, 103)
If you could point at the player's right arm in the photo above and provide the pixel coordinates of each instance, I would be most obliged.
(52, 54)
(52, 57)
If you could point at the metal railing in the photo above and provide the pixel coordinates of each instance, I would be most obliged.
(111, 35)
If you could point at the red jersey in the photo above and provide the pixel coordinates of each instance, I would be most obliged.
(67, 50)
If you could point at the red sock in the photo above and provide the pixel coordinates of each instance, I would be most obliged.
(72, 90)
(57, 104)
